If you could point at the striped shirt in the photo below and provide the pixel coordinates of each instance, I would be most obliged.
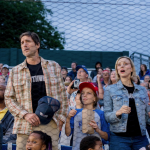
(18, 93)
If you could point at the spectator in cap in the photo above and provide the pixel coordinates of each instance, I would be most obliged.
(64, 72)
(5, 72)
(99, 126)
(73, 72)
(82, 75)
(1, 65)
(94, 72)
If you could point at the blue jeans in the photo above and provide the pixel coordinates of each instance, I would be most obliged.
(127, 143)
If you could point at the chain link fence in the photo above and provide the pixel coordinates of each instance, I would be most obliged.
(103, 25)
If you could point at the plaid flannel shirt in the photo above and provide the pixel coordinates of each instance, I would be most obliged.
(18, 93)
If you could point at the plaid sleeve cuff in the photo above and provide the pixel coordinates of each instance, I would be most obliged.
(62, 118)
(22, 113)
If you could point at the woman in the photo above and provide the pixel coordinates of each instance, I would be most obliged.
(143, 71)
(89, 97)
(126, 109)
(136, 80)
(106, 76)
(112, 79)
(99, 72)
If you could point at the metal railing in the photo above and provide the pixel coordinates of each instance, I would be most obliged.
(141, 58)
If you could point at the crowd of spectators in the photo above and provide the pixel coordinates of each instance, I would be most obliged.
(43, 106)
(100, 78)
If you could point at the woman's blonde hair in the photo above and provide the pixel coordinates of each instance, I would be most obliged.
(133, 74)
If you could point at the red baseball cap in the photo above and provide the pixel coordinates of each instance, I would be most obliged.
(88, 85)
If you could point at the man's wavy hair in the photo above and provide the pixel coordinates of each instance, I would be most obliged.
(33, 36)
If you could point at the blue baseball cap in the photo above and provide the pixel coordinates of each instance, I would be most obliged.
(47, 106)
(83, 67)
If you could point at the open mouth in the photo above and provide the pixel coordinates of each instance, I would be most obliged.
(122, 71)
(29, 148)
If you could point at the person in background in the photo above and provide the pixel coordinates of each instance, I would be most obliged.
(146, 78)
(106, 76)
(1, 65)
(39, 140)
(64, 72)
(143, 71)
(6, 118)
(144, 85)
(82, 75)
(65, 140)
(109, 69)
(89, 79)
(68, 79)
(136, 80)
(94, 72)
(73, 72)
(126, 109)
(2, 79)
(5, 72)
(112, 79)
(91, 143)
(100, 72)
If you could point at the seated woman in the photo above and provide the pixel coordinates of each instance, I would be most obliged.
(89, 93)
(143, 71)
(126, 109)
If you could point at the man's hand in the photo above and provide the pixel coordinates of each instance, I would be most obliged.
(32, 118)
(60, 125)
(69, 89)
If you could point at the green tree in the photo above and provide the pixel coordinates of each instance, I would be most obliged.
(17, 17)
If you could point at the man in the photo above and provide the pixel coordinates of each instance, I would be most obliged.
(94, 72)
(5, 72)
(82, 75)
(30, 81)
(64, 72)
(146, 79)
(73, 72)
(7, 120)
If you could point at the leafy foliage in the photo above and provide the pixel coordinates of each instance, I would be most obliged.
(17, 17)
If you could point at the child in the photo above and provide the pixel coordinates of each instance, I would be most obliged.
(89, 93)
(91, 143)
(39, 140)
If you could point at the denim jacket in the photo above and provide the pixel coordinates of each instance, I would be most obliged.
(115, 96)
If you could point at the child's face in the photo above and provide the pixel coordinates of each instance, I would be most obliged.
(98, 145)
(88, 97)
(35, 143)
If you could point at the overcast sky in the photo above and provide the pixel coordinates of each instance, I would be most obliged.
(103, 25)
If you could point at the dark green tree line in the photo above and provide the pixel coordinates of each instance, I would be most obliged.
(17, 17)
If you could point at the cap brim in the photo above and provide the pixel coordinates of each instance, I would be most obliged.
(88, 85)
